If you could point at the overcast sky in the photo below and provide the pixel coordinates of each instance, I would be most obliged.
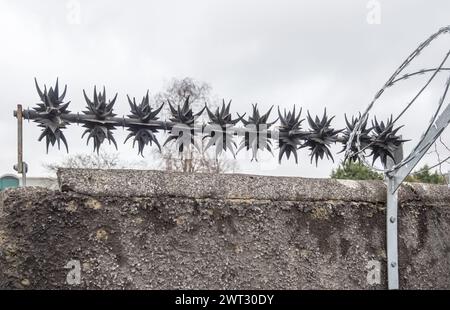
(314, 54)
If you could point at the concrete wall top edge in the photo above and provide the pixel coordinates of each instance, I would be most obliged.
(152, 183)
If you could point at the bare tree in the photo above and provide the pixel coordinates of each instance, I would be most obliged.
(200, 162)
(102, 160)
(178, 90)
(199, 94)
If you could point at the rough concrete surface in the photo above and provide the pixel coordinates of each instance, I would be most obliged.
(132, 229)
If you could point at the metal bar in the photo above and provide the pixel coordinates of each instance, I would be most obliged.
(19, 139)
(391, 224)
(21, 166)
(392, 235)
(124, 121)
(160, 125)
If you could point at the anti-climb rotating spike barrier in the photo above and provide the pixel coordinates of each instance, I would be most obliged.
(143, 125)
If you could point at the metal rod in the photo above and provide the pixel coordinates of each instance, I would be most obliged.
(160, 125)
(124, 121)
(21, 166)
(392, 235)
(392, 223)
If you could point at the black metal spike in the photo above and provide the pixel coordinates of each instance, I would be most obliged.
(320, 137)
(101, 109)
(184, 117)
(260, 139)
(144, 114)
(50, 110)
(363, 137)
(290, 137)
(222, 139)
(384, 141)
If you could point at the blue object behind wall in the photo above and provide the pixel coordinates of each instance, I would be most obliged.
(8, 180)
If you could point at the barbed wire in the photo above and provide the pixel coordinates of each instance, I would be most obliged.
(354, 140)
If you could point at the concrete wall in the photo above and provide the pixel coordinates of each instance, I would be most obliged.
(159, 230)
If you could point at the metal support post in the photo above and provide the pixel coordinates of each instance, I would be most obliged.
(392, 235)
(21, 167)
(391, 224)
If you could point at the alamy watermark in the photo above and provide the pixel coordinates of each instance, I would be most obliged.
(74, 275)
(374, 272)
(73, 16)
(374, 14)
